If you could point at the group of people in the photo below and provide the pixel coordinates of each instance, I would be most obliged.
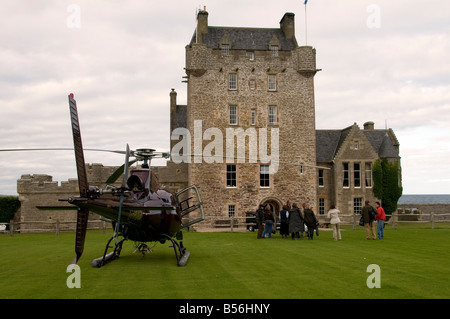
(296, 221)
(292, 221)
(369, 216)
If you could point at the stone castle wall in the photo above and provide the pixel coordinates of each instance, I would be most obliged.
(40, 190)
(421, 212)
(208, 101)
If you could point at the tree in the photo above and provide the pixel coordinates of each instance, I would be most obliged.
(387, 183)
(8, 207)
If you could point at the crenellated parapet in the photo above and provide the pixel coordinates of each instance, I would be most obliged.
(41, 190)
(41, 183)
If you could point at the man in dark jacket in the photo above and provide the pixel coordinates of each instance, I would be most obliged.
(367, 213)
(310, 221)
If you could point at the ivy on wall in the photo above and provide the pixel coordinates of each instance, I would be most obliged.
(387, 183)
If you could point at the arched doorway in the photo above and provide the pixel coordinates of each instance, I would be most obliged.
(274, 204)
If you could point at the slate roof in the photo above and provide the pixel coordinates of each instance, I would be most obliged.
(246, 38)
(382, 143)
(329, 141)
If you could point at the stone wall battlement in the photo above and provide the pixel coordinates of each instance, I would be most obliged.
(40, 183)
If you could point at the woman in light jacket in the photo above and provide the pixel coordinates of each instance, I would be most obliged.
(333, 214)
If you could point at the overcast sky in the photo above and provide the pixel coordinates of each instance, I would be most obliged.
(383, 61)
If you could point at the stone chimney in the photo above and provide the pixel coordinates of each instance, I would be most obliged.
(173, 108)
(287, 25)
(202, 24)
(369, 126)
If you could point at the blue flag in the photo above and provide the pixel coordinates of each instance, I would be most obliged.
(306, 1)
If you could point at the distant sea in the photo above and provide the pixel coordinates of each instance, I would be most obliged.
(424, 199)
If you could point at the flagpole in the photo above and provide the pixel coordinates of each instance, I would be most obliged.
(306, 27)
(306, 24)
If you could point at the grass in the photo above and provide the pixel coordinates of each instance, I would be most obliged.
(413, 262)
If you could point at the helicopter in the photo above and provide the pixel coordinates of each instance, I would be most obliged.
(139, 210)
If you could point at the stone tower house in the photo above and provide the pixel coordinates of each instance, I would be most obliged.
(249, 117)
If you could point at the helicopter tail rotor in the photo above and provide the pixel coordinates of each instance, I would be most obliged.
(83, 213)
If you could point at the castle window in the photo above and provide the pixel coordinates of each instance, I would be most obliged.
(368, 174)
(357, 174)
(321, 206)
(233, 115)
(252, 84)
(357, 205)
(225, 49)
(264, 177)
(232, 81)
(250, 55)
(253, 115)
(346, 180)
(273, 115)
(272, 82)
(321, 177)
(231, 175)
(231, 210)
(274, 50)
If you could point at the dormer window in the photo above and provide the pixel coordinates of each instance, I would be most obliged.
(225, 49)
(274, 50)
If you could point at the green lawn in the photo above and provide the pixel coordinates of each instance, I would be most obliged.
(414, 263)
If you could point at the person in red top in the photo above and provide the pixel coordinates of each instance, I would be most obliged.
(380, 218)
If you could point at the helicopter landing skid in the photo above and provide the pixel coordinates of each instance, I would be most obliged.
(180, 251)
(106, 258)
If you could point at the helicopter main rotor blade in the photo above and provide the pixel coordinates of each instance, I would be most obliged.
(113, 178)
(57, 149)
(232, 159)
(83, 213)
(127, 164)
(82, 221)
